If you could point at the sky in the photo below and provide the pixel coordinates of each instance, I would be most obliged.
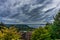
(28, 11)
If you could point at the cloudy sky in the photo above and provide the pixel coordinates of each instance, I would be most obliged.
(28, 11)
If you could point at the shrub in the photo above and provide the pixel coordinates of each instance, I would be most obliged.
(9, 34)
(41, 34)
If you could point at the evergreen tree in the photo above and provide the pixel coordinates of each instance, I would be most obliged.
(56, 26)
(2, 25)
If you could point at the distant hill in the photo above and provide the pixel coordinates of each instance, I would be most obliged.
(21, 27)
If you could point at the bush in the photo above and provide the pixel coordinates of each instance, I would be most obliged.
(9, 34)
(41, 34)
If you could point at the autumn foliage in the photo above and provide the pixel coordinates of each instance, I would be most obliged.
(9, 34)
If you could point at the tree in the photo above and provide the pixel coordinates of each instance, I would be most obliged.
(41, 34)
(56, 25)
(51, 28)
(9, 34)
(1, 25)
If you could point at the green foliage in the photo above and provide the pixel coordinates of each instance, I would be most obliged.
(56, 26)
(57, 20)
(51, 29)
(9, 34)
(41, 34)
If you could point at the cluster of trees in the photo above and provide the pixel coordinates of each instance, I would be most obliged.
(49, 32)
(10, 33)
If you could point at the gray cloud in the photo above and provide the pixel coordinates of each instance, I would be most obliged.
(28, 11)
